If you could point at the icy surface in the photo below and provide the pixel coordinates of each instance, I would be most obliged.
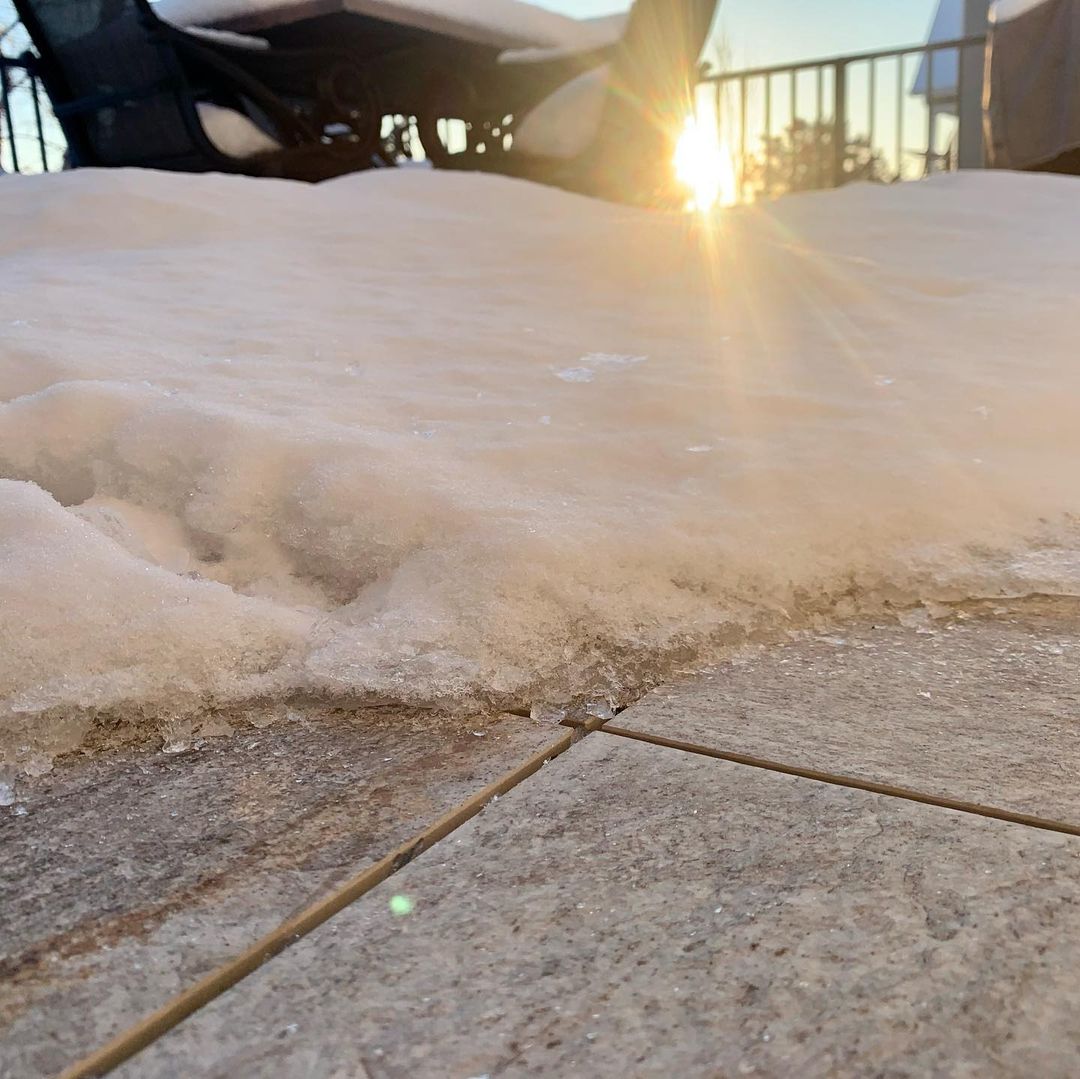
(450, 440)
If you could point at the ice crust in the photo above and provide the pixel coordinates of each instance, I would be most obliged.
(457, 441)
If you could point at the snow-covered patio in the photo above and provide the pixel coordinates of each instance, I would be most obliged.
(324, 509)
(464, 443)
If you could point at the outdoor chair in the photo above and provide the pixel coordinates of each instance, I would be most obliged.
(601, 122)
(131, 90)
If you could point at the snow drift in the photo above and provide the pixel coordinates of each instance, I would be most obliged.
(454, 441)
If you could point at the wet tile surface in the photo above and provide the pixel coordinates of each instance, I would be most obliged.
(636, 911)
(132, 874)
(983, 709)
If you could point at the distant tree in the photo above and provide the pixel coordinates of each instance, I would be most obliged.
(801, 159)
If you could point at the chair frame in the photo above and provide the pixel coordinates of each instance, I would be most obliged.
(304, 155)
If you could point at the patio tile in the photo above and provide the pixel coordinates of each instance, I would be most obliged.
(637, 911)
(132, 874)
(983, 709)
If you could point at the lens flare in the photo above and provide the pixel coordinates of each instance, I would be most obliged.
(401, 905)
(704, 166)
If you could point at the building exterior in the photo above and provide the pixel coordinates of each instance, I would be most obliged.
(951, 80)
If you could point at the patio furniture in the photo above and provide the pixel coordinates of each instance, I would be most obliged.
(602, 121)
(130, 90)
(453, 69)
(505, 86)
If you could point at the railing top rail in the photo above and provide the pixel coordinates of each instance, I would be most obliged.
(850, 58)
(26, 62)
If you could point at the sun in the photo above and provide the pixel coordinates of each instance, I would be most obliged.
(704, 165)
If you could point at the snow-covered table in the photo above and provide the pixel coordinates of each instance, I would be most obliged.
(500, 24)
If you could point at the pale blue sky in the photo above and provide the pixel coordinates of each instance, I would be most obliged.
(776, 31)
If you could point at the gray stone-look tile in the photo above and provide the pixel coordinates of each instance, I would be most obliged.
(133, 873)
(983, 709)
(636, 911)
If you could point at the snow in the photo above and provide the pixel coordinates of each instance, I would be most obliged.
(227, 37)
(233, 133)
(565, 123)
(503, 23)
(266, 442)
(598, 33)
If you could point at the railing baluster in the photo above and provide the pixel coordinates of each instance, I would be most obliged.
(794, 181)
(5, 104)
(42, 149)
(819, 156)
(960, 133)
(900, 116)
(742, 138)
(931, 116)
(872, 95)
(768, 135)
(839, 131)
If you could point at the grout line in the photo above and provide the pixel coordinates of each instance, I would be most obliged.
(136, 1038)
(886, 789)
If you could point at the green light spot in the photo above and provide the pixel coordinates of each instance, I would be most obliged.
(400, 905)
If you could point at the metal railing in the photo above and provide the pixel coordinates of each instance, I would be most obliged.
(822, 123)
(30, 139)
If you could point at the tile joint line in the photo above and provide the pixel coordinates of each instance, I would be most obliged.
(885, 789)
(154, 1026)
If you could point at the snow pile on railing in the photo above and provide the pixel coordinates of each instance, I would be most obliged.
(462, 442)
